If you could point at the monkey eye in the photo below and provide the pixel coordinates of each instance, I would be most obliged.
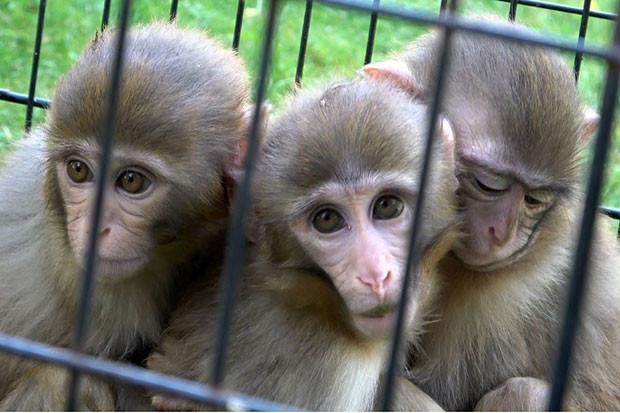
(531, 201)
(490, 188)
(78, 171)
(538, 198)
(133, 182)
(387, 207)
(328, 220)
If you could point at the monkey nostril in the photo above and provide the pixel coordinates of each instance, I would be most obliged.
(495, 240)
(105, 232)
(387, 277)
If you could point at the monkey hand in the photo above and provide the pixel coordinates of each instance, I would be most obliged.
(516, 394)
(409, 398)
(44, 388)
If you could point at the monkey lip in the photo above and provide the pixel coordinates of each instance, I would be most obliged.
(378, 321)
(379, 311)
(113, 267)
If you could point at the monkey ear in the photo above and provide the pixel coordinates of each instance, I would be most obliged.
(589, 124)
(447, 136)
(396, 73)
(446, 133)
(235, 170)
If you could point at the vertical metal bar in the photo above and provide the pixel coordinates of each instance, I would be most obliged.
(105, 19)
(448, 6)
(35, 64)
(305, 30)
(578, 280)
(108, 129)
(235, 251)
(238, 24)
(585, 15)
(414, 249)
(372, 29)
(512, 13)
(174, 6)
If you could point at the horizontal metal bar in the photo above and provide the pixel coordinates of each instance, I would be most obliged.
(610, 212)
(128, 373)
(564, 8)
(7, 95)
(472, 26)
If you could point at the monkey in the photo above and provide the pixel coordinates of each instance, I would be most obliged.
(520, 130)
(181, 121)
(334, 197)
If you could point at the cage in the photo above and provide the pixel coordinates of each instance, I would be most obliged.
(273, 79)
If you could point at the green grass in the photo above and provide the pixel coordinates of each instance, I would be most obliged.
(336, 45)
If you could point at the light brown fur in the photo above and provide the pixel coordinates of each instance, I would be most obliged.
(516, 111)
(182, 101)
(293, 338)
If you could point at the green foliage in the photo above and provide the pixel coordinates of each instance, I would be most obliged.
(336, 45)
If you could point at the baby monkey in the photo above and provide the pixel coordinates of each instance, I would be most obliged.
(520, 130)
(180, 121)
(334, 197)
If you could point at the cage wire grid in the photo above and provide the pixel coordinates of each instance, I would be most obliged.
(78, 362)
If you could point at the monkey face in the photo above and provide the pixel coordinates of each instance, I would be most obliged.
(359, 238)
(501, 217)
(125, 243)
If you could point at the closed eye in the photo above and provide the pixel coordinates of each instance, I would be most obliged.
(488, 189)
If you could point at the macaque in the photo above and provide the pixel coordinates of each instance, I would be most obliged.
(334, 198)
(180, 123)
(520, 130)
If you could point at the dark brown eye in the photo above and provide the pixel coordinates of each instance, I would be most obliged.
(531, 201)
(77, 171)
(387, 207)
(328, 220)
(133, 182)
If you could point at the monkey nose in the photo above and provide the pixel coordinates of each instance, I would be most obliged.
(377, 281)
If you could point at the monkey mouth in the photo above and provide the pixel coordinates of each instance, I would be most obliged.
(378, 322)
(489, 265)
(114, 268)
(379, 311)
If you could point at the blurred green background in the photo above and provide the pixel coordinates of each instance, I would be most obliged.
(336, 45)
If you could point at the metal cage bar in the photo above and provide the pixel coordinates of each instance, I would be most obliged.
(579, 278)
(35, 64)
(512, 13)
(174, 7)
(108, 129)
(105, 18)
(372, 30)
(81, 363)
(583, 27)
(414, 252)
(238, 24)
(303, 43)
(235, 250)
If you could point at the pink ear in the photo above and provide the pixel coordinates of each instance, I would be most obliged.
(446, 134)
(589, 124)
(235, 169)
(395, 72)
